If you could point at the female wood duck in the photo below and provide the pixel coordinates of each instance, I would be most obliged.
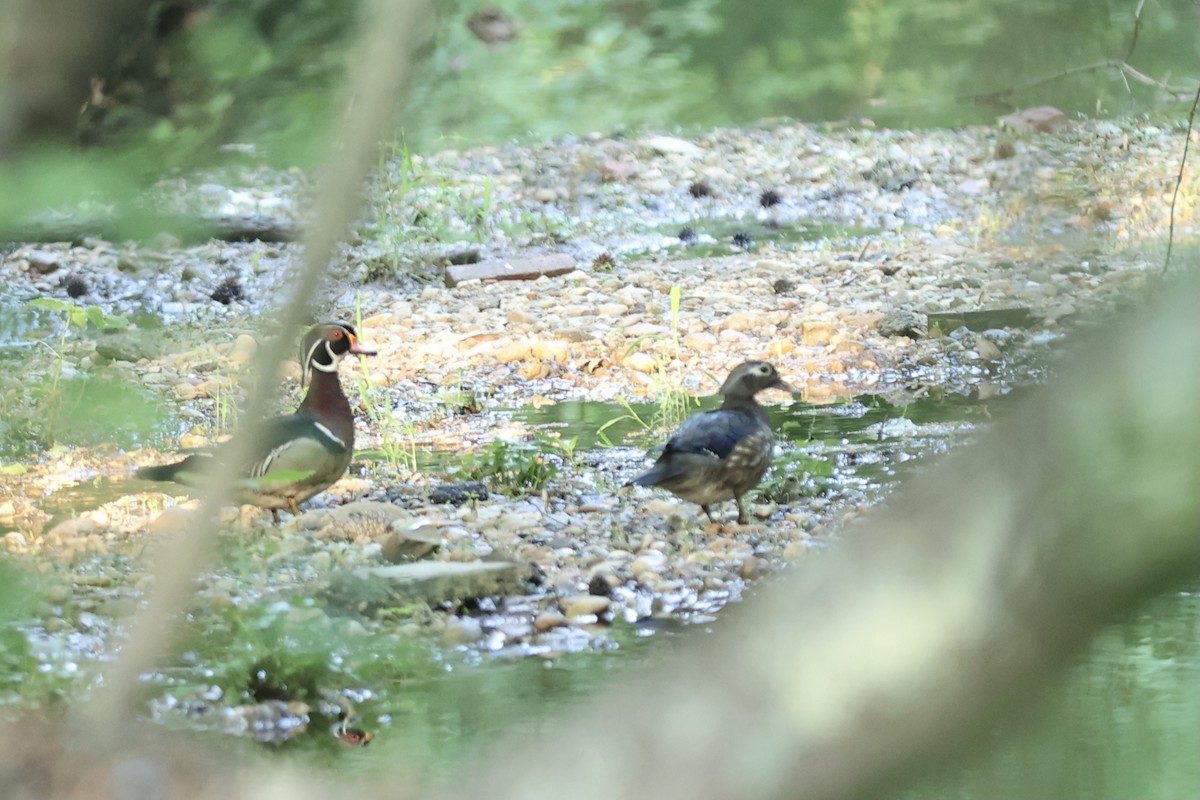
(721, 454)
(307, 451)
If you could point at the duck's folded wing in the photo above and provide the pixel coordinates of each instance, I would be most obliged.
(713, 433)
(294, 443)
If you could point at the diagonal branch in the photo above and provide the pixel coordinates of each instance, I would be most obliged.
(1176, 91)
(378, 76)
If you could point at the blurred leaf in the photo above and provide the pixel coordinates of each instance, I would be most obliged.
(94, 411)
(17, 595)
(51, 304)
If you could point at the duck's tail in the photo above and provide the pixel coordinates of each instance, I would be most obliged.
(173, 472)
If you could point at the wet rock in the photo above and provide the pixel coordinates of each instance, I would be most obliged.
(74, 528)
(903, 322)
(462, 630)
(982, 319)
(43, 262)
(458, 493)
(367, 589)
(580, 605)
(409, 545)
(122, 348)
(988, 352)
(672, 145)
(548, 620)
(1040, 119)
(601, 584)
(243, 349)
(171, 520)
(816, 332)
(640, 362)
(367, 520)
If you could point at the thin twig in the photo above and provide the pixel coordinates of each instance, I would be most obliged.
(1110, 63)
(1187, 141)
(1137, 28)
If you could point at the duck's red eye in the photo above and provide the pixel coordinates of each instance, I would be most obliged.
(336, 334)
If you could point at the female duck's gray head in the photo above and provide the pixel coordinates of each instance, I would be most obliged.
(751, 377)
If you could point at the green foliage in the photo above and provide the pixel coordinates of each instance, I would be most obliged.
(295, 650)
(93, 411)
(74, 317)
(517, 468)
(63, 407)
(80, 317)
(796, 478)
(424, 212)
(262, 71)
(675, 405)
(397, 432)
(558, 76)
(16, 591)
(25, 679)
(630, 415)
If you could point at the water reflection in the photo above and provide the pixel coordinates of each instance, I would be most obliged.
(1123, 723)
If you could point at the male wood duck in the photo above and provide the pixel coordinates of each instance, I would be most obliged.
(307, 451)
(721, 454)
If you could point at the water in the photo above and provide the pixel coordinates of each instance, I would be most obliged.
(1122, 723)
(443, 723)
(722, 236)
(855, 420)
